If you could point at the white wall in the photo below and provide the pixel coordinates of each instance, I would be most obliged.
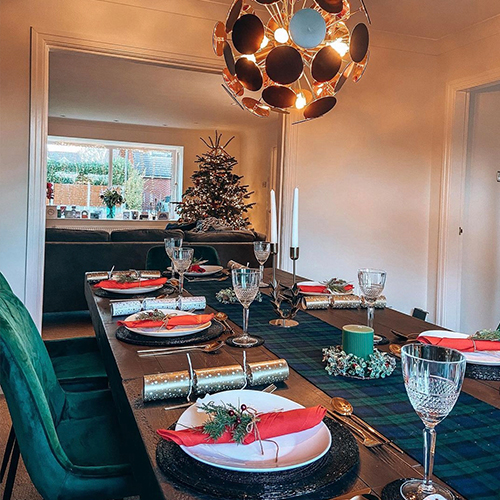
(364, 172)
(481, 237)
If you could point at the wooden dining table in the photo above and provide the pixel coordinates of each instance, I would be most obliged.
(139, 421)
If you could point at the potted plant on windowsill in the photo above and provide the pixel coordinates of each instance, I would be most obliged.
(111, 197)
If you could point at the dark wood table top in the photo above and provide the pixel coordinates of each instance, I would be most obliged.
(140, 421)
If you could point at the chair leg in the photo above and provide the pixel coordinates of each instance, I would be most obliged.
(7, 453)
(11, 476)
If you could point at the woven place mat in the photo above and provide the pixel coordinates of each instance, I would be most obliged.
(330, 476)
(164, 290)
(482, 372)
(391, 491)
(212, 332)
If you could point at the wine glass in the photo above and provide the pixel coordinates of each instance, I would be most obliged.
(246, 286)
(433, 378)
(170, 244)
(371, 282)
(262, 249)
(181, 260)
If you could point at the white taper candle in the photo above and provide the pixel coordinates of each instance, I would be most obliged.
(295, 219)
(274, 219)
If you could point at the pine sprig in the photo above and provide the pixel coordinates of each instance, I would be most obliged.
(486, 335)
(227, 417)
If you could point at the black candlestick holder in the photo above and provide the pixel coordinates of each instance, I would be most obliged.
(294, 255)
(274, 253)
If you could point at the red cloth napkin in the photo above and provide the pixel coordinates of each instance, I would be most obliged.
(270, 425)
(181, 320)
(195, 268)
(464, 345)
(134, 284)
(313, 289)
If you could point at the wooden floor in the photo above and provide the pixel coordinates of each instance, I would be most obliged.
(55, 326)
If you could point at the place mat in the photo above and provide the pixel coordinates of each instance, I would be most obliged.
(164, 290)
(328, 477)
(212, 332)
(468, 439)
(482, 372)
(391, 491)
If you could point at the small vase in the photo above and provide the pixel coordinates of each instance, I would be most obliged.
(110, 212)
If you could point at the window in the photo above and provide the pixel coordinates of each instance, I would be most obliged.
(148, 176)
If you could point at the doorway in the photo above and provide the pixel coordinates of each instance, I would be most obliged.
(468, 295)
(480, 291)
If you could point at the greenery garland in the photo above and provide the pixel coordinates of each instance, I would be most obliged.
(486, 335)
(378, 365)
(227, 417)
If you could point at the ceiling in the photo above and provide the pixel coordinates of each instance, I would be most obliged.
(99, 88)
(429, 18)
(422, 18)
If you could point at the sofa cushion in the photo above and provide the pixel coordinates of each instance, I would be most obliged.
(184, 226)
(219, 236)
(77, 235)
(145, 234)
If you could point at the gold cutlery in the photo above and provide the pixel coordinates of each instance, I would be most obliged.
(367, 440)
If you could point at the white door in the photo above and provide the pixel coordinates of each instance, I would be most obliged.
(480, 293)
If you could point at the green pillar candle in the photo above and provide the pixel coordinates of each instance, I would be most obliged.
(357, 340)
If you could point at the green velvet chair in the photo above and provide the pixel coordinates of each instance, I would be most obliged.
(157, 258)
(78, 366)
(69, 441)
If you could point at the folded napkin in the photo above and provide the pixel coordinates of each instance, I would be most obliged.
(270, 425)
(314, 289)
(195, 268)
(133, 284)
(181, 320)
(464, 345)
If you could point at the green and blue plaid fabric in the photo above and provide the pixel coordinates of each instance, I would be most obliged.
(468, 449)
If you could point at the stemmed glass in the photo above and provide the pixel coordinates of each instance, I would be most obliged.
(170, 244)
(246, 286)
(433, 378)
(371, 282)
(181, 260)
(262, 250)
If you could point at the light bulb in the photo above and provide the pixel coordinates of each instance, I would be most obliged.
(281, 35)
(264, 43)
(300, 101)
(340, 46)
(250, 57)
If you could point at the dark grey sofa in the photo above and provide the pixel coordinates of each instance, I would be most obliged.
(69, 254)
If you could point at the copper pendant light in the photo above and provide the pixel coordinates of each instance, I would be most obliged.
(280, 56)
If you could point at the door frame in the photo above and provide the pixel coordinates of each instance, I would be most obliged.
(450, 243)
(41, 46)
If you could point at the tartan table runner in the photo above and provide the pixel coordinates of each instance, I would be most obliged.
(468, 440)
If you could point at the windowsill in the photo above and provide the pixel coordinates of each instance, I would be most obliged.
(106, 224)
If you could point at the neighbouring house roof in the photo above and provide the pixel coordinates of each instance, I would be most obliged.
(154, 165)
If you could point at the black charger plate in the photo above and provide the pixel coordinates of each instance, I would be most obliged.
(328, 477)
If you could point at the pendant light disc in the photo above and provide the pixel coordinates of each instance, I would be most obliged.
(284, 65)
(248, 33)
(307, 28)
(279, 97)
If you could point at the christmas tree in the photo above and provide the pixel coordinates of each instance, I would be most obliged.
(216, 191)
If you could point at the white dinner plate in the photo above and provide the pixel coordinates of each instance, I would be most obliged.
(208, 270)
(135, 290)
(295, 450)
(176, 331)
(491, 358)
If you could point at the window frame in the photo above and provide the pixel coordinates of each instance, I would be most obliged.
(177, 166)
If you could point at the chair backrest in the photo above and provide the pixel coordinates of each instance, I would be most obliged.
(157, 258)
(419, 313)
(33, 394)
(4, 285)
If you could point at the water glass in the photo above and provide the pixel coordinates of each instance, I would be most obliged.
(246, 286)
(181, 261)
(433, 379)
(371, 283)
(262, 250)
(170, 244)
